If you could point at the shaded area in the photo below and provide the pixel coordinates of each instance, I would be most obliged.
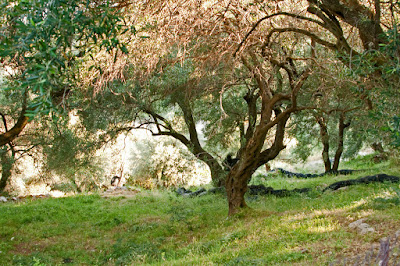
(378, 178)
(332, 172)
(252, 190)
(386, 255)
(263, 190)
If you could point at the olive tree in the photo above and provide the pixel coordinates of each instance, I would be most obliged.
(41, 46)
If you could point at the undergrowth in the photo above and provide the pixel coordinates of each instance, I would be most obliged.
(161, 228)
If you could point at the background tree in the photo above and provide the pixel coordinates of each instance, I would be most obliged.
(338, 110)
(162, 162)
(41, 46)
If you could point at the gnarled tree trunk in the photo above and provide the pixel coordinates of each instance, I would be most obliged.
(7, 162)
(325, 142)
(251, 158)
(339, 149)
(323, 131)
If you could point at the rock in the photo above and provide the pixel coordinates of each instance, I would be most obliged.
(365, 228)
(356, 223)
(3, 199)
(361, 226)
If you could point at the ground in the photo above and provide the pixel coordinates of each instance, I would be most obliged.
(160, 227)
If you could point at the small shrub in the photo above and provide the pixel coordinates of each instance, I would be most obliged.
(163, 163)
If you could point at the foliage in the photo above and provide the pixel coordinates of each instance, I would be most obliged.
(163, 162)
(187, 71)
(42, 47)
(381, 85)
(394, 128)
(72, 157)
(42, 44)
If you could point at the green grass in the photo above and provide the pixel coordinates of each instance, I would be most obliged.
(160, 228)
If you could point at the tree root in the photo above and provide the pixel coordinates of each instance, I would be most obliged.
(378, 178)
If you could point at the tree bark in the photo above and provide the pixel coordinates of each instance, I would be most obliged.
(13, 133)
(7, 163)
(9, 135)
(236, 187)
(251, 158)
(339, 150)
(323, 131)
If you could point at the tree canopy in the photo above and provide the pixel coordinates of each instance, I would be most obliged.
(221, 77)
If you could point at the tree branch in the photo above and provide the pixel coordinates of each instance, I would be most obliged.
(22, 121)
(271, 16)
(301, 31)
(4, 121)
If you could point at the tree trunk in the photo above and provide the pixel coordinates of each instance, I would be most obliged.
(238, 177)
(339, 149)
(7, 162)
(236, 187)
(218, 174)
(323, 131)
(251, 158)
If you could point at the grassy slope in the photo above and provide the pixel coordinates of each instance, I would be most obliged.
(161, 228)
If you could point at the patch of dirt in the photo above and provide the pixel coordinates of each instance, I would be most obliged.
(22, 249)
(27, 248)
(119, 192)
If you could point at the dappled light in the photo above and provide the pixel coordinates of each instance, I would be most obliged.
(198, 132)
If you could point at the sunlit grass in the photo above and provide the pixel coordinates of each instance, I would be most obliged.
(161, 228)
